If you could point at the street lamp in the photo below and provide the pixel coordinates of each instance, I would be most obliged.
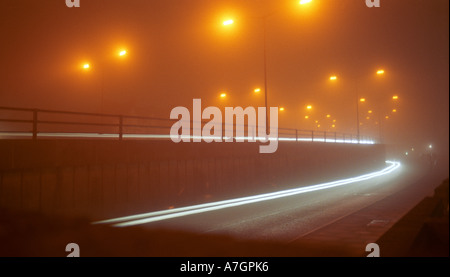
(264, 19)
(228, 22)
(87, 66)
(359, 100)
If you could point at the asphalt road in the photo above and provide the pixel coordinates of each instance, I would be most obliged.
(316, 223)
(288, 219)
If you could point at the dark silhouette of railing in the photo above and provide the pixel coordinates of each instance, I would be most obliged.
(35, 123)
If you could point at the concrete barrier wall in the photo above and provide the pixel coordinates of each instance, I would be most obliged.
(101, 178)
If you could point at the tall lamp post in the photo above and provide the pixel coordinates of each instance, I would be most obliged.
(358, 101)
(264, 19)
(87, 67)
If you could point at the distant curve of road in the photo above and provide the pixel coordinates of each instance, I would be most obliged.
(287, 215)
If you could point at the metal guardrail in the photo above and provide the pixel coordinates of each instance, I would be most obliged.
(35, 123)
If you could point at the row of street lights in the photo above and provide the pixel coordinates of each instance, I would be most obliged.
(334, 78)
(122, 52)
(359, 101)
(379, 72)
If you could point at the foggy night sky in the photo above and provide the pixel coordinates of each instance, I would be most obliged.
(179, 50)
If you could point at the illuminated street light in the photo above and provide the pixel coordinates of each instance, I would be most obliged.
(394, 110)
(122, 52)
(281, 109)
(306, 116)
(264, 26)
(309, 107)
(395, 97)
(257, 90)
(370, 111)
(302, 2)
(360, 100)
(387, 117)
(328, 116)
(430, 146)
(228, 22)
(86, 66)
(223, 95)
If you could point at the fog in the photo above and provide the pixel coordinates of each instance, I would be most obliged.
(180, 50)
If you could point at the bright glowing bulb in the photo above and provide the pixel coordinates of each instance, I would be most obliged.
(122, 53)
(332, 78)
(394, 110)
(228, 22)
(306, 116)
(302, 2)
(281, 109)
(387, 117)
(257, 90)
(309, 107)
(223, 95)
(86, 66)
(328, 116)
(380, 72)
(370, 111)
(395, 97)
(362, 100)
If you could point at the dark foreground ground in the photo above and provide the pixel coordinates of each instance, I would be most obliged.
(423, 232)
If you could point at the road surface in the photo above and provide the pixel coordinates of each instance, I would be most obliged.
(357, 213)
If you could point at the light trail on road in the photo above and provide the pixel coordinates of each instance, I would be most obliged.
(202, 208)
(6, 135)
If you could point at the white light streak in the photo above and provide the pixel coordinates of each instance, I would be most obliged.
(201, 208)
(163, 137)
